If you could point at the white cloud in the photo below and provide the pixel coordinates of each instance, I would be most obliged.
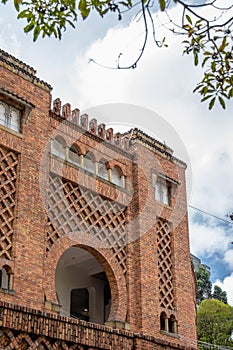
(228, 258)
(227, 286)
(206, 239)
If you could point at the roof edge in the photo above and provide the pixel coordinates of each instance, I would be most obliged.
(22, 69)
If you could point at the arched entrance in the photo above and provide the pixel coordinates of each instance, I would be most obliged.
(82, 286)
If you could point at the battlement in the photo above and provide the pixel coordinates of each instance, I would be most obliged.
(73, 116)
(123, 141)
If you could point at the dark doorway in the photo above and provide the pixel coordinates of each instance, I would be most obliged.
(79, 304)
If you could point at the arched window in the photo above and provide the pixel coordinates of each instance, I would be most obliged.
(59, 147)
(102, 170)
(74, 156)
(89, 163)
(117, 177)
(172, 324)
(163, 322)
(5, 277)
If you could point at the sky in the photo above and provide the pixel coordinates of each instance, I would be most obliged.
(160, 89)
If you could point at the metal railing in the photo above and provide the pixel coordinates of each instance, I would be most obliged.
(208, 346)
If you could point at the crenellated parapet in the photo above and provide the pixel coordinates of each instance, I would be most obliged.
(121, 140)
(73, 116)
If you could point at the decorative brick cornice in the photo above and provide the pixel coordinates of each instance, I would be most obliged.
(138, 136)
(22, 69)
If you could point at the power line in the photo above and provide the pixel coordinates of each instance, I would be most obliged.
(210, 214)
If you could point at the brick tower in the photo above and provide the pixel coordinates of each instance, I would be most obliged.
(94, 247)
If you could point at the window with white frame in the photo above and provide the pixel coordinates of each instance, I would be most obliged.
(162, 191)
(10, 116)
(165, 188)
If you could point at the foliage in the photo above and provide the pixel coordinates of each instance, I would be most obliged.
(208, 39)
(219, 294)
(215, 322)
(204, 285)
(216, 55)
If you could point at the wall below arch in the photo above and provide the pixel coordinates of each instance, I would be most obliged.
(35, 329)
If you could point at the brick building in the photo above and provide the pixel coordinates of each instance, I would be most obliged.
(94, 247)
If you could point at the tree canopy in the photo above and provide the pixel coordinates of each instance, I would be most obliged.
(205, 25)
(215, 322)
(219, 294)
(204, 285)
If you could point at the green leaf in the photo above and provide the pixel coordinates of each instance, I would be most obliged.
(222, 102)
(196, 59)
(29, 27)
(17, 3)
(212, 102)
(84, 9)
(189, 19)
(126, 3)
(230, 94)
(224, 44)
(197, 88)
(205, 60)
(213, 66)
(23, 14)
(36, 32)
(206, 98)
(162, 4)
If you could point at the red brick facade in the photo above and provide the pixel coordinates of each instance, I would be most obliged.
(103, 202)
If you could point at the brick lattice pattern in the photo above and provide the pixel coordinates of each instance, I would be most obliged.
(20, 340)
(8, 177)
(73, 208)
(164, 252)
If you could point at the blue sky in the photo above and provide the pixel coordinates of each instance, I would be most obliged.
(163, 83)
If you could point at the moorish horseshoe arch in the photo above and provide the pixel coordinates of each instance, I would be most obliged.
(109, 264)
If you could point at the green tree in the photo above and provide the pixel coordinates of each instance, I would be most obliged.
(219, 294)
(207, 38)
(215, 322)
(204, 285)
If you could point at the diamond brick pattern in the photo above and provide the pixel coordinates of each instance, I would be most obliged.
(12, 340)
(166, 292)
(73, 208)
(8, 177)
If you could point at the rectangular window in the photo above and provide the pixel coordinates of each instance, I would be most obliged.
(165, 187)
(162, 191)
(10, 116)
